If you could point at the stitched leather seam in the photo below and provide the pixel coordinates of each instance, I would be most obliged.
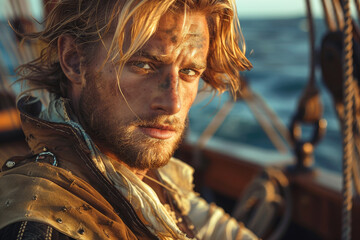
(136, 222)
(57, 129)
(48, 233)
(21, 230)
(41, 122)
(98, 175)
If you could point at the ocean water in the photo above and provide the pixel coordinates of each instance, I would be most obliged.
(279, 51)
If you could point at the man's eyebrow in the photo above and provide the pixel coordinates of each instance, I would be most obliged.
(160, 59)
(196, 65)
(163, 59)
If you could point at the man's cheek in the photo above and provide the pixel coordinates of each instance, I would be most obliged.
(191, 95)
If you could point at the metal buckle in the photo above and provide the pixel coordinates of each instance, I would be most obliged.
(43, 155)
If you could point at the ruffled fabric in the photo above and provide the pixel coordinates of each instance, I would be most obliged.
(158, 219)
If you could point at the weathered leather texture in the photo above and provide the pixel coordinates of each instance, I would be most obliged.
(26, 230)
(75, 191)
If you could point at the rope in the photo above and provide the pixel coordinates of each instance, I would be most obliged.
(357, 4)
(276, 121)
(329, 16)
(266, 125)
(263, 199)
(348, 144)
(339, 14)
(355, 168)
(340, 113)
(209, 132)
(312, 44)
(214, 124)
(264, 115)
(309, 108)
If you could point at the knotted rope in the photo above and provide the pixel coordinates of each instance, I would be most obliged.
(348, 142)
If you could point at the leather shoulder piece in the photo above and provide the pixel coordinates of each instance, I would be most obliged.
(17, 161)
(40, 192)
(27, 230)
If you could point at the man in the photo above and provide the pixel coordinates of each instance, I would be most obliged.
(122, 76)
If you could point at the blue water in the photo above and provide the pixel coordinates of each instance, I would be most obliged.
(280, 56)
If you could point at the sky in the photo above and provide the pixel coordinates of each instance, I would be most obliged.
(276, 8)
(246, 8)
(280, 8)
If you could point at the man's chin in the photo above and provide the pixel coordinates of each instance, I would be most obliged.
(139, 150)
(150, 159)
(149, 154)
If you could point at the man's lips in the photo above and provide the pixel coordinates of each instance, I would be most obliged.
(158, 131)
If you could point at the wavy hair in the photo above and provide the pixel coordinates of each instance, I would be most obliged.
(88, 22)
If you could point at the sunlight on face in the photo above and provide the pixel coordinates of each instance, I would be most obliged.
(159, 83)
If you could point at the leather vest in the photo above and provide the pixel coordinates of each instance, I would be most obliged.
(74, 197)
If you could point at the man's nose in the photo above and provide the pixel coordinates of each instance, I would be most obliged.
(167, 97)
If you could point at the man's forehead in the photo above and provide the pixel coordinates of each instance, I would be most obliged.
(176, 36)
(174, 29)
(172, 24)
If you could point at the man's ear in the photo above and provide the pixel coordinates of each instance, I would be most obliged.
(69, 57)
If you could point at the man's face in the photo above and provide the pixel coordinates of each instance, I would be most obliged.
(143, 125)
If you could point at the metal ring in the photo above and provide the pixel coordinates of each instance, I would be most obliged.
(319, 128)
(54, 163)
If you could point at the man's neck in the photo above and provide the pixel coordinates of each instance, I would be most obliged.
(140, 173)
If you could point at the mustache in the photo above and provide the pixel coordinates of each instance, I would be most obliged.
(151, 121)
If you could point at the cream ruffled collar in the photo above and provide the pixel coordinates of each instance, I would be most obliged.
(146, 203)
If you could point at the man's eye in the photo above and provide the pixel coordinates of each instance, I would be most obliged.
(142, 65)
(188, 72)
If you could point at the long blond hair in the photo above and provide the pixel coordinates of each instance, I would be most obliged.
(88, 22)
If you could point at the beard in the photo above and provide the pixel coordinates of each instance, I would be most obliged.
(121, 136)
